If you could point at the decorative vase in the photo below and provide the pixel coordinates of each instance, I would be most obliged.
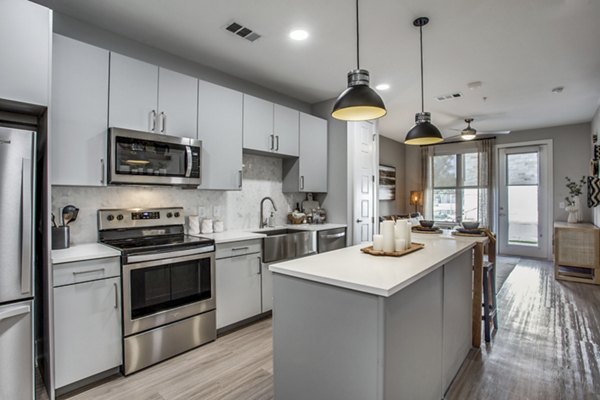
(572, 210)
(577, 205)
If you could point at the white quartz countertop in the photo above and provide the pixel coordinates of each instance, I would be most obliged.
(383, 276)
(239, 235)
(81, 252)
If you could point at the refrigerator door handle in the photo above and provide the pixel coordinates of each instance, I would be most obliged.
(26, 220)
(13, 312)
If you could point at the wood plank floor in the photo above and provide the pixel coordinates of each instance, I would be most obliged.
(547, 347)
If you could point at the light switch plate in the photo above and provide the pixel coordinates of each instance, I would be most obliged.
(217, 211)
(202, 212)
(561, 205)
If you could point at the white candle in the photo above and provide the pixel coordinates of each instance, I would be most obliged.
(400, 229)
(400, 244)
(388, 236)
(377, 242)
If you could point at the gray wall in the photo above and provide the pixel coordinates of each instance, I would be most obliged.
(571, 144)
(391, 153)
(336, 199)
(595, 130)
(76, 29)
(412, 168)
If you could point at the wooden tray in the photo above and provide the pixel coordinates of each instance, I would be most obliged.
(481, 234)
(427, 232)
(413, 247)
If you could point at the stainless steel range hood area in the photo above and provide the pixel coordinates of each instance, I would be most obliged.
(143, 158)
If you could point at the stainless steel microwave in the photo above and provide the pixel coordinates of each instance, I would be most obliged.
(143, 158)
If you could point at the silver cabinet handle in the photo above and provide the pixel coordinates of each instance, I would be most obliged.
(116, 295)
(102, 172)
(13, 312)
(359, 220)
(259, 266)
(163, 122)
(239, 248)
(272, 142)
(88, 272)
(26, 220)
(240, 178)
(152, 121)
(302, 182)
(277, 141)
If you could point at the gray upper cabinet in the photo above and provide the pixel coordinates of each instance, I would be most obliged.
(177, 104)
(308, 173)
(270, 127)
(133, 94)
(286, 128)
(220, 129)
(24, 70)
(79, 113)
(147, 98)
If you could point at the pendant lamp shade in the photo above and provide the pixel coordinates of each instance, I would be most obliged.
(358, 102)
(424, 132)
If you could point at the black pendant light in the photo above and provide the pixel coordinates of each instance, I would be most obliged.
(358, 102)
(424, 132)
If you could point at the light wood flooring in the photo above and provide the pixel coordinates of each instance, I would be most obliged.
(547, 347)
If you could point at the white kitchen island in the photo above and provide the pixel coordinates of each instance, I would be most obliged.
(348, 325)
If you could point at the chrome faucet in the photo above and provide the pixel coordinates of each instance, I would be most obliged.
(263, 221)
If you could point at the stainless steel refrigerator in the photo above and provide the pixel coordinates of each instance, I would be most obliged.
(17, 183)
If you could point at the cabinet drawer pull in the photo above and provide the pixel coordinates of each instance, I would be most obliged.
(240, 248)
(277, 141)
(116, 295)
(259, 266)
(152, 122)
(272, 142)
(163, 122)
(89, 271)
(102, 172)
(240, 177)
(302, 182)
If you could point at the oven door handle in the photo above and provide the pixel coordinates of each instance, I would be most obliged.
(190, 161)
(149, 260)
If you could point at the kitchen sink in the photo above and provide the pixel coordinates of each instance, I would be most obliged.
(286, 244)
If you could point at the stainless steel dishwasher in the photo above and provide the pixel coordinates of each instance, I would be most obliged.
(331, 239)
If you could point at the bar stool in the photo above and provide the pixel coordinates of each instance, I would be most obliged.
(490, 316)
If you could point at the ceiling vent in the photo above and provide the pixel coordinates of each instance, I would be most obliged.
(449, 96)
(242, 31)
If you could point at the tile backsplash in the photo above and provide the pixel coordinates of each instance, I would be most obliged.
(238, 209)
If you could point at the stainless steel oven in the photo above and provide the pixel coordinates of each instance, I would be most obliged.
(178, 285)
(168, 298)
(136, 157)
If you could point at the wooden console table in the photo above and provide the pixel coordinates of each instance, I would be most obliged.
(577, 252)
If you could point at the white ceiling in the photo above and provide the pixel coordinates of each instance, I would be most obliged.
(518, 49)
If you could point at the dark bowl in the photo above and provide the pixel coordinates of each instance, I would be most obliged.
(470, 225)
(426, 224)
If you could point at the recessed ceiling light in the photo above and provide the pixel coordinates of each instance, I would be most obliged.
(474, 85)
(298, 34)
(558, 89)
(382, 86)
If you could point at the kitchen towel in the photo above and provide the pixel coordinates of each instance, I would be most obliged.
(593, 198)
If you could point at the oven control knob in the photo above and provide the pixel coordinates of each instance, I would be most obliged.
(176, 214)
(169, 215)
(110, 217)
(120, 217)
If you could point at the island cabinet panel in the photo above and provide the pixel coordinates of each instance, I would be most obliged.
(413, 344)
(457, 315)
(326, 342)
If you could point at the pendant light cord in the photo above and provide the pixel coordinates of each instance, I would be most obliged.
(357, 39)
(422, 90)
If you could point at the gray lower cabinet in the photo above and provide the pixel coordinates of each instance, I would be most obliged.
(238, 283)
(87, 319)
(267, 288)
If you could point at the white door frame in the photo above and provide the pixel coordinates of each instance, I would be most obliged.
(549, 191)
(351, 217)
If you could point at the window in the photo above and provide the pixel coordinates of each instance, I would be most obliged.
(455, 187)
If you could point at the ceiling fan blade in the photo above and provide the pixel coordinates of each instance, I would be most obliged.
(494, 132)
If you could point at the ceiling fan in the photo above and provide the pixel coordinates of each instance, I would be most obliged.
(470, 133)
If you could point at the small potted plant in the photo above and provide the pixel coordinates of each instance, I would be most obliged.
(573, 200)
